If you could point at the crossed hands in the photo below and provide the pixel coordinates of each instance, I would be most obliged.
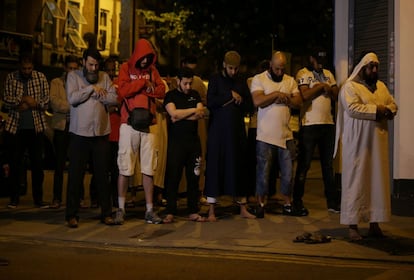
(282, 98)
(327, 90)
(27, 102)
(384, 113)
(199, 113)
(99, 91)
(149, 86)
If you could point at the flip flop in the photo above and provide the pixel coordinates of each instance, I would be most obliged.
(303, 237)
(318, 238)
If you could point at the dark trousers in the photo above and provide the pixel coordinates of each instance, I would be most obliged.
(183, 155)
(80, 150)
(251, 162)
(26, 139)
(114, 172)
(60, 143)
(322, 136)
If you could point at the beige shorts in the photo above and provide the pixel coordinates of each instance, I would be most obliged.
(135, 146)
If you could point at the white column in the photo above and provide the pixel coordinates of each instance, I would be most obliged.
(404, 94)
(341, 41)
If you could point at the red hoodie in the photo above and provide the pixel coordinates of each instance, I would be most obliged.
(132, 81)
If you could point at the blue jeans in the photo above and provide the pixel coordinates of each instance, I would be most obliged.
(271, 158)
(311, 136)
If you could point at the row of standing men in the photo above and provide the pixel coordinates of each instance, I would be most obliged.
(93, 97)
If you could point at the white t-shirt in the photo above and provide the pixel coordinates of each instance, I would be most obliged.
(273, 120)
(318, 110)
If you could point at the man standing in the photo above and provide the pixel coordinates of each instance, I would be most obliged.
(319, 92)
(185, 108)
(26, 95)
(274, 93)
(364, 108)
(115, 119)
(90, 92)
(228, 101)
(139, 83)
(60, 125)
(198, 85)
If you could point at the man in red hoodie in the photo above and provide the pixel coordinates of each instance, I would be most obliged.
(139, 82)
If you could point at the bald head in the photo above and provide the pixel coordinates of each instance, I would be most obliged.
(278, 57)
(277, 66)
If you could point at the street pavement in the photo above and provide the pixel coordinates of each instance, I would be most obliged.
(272, 235)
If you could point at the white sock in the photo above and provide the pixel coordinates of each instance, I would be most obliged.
(149, 207)
(121, 202)
(211, 200)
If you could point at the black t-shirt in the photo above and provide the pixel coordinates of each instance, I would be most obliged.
(183, 129)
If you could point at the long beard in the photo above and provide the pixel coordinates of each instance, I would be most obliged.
(371, 80)
(275, 78)
(91, 77)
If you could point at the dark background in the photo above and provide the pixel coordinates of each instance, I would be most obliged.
(253, 28)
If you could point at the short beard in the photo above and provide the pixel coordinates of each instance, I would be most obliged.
(91, 77)
(276, 78)
(180, 88)
(226, 74)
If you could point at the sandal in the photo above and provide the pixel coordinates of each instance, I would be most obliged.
(169, 219)
(318, 238)
(303, 237)
(197, 218)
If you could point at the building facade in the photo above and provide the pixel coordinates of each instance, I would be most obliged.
(53, 29)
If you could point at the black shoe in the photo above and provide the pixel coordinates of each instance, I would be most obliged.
(94, 204)
(42, 205)
(55, 204)
(109, 221)
(12, 205)
(73, 223)
(260, 212)
(288, 210)
(334, 209)
(300, 211)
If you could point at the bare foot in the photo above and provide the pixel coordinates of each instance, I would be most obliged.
(168, 219)
(246, 214)
(354, 234)
(375, 231)
(212, 218)
(197, 218)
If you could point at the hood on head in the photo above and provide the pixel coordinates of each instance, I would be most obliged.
(142, 48)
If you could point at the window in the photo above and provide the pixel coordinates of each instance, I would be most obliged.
(76, 39)
(51, 13)
(103, 29)
(75, 18)
(54, 10)
(73, 27)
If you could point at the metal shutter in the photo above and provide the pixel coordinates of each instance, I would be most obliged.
(372, 31)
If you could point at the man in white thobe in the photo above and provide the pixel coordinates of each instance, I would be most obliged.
(364, 108)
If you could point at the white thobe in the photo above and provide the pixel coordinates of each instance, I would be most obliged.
(365, 159)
